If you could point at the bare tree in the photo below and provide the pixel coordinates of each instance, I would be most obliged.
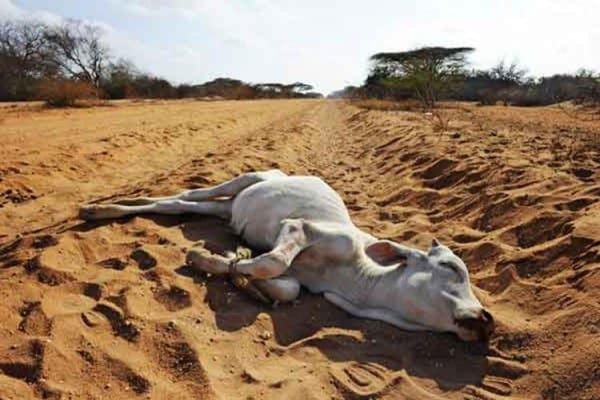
(79, 51)
(24, 55)
(69, 62)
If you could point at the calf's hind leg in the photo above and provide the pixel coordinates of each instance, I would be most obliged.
(172, 207)
(283, 289)
(225, 189)
(182, 202)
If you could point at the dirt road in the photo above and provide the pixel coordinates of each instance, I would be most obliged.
(109, 310)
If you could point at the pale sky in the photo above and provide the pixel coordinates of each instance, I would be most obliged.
(327, 43)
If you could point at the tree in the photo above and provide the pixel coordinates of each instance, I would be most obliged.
(495, 84)
(118, 80)
(270, 90)
(280, 90)
(24, 56)
(79, 51)
(347, 92)
(589, 94)
(379, 85)
(508, 74)
(64, 63)
(297, 89)
(301, 87)
(428, 71)
(151, 87)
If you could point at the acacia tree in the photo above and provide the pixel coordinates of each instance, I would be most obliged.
(297, 88)
(280, 90)
(270, 90)
(427, 71)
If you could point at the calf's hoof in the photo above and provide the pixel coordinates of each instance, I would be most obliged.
(201, 259)
(95, 212)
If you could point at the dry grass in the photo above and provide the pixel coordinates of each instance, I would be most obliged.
(439, 117)
(388, 105)
(440, 121)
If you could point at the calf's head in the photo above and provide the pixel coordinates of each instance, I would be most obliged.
(434, 291)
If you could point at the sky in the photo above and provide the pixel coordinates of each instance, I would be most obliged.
(327, 43)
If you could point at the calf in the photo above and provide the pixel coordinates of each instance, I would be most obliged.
(309, 239)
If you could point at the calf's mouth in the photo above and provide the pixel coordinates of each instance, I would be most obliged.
(481, 326)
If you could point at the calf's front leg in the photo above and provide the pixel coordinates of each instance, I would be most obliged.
(281, 289)
(290, 241)
(260, 276)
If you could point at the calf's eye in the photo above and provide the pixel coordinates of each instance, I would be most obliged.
(449, 265)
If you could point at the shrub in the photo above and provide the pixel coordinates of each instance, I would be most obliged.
(489, 97)
(440, 121)
(65, 93)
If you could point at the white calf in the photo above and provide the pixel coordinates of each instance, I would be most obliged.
(310, 240)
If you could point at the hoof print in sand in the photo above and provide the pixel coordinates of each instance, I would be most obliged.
(35, 321)
(361, 379)
(128, 375)
(180, 361)
(120, 325)
(498, 386)
(143, 259)
(48, 273)
(505, 368)
(173, 298)
(92, 290)
(114, 263)
(23, 361)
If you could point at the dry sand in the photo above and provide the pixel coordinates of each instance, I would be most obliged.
(107, 310)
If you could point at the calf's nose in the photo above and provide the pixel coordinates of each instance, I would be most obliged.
(488, 324)
(482, 324)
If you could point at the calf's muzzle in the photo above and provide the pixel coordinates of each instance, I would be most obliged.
(480, 327)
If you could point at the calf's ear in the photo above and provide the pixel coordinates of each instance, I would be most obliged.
(435, 247)
(383, 252)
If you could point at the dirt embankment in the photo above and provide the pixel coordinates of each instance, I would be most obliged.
(108, 309)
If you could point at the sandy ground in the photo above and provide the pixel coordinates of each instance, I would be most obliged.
(108, 310)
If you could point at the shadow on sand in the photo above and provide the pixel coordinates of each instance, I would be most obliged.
(443, 358)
